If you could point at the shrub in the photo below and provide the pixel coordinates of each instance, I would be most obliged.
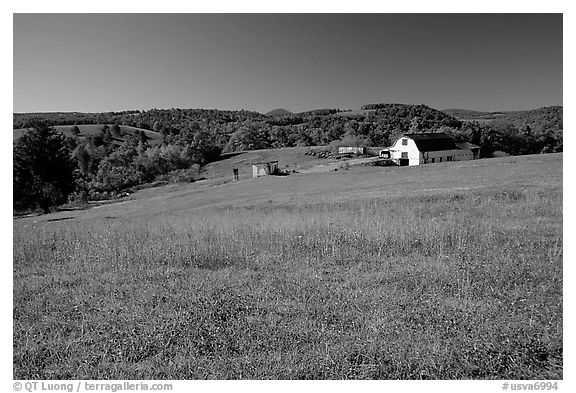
(499, 153)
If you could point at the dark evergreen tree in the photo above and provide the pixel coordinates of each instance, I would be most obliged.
(43, 169)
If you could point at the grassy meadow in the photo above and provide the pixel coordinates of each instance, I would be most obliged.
(446, 271)
(154, 138)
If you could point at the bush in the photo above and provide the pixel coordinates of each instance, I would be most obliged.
(500, 153)
(184, 175)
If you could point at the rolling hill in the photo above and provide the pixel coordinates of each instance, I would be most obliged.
(357, 183)
(154, 138)
(443, 271)
(551, 116)
(278, 112)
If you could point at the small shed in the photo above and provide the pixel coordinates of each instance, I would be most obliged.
(264, 168)
(351, 150)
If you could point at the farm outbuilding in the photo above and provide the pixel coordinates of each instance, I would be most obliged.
(351, 150)
(428, 148)
(384, 153)
(264, 168)
(469, 146)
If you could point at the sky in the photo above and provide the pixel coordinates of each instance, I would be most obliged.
(115, 62)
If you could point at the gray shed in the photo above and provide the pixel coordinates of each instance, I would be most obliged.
(264, 168)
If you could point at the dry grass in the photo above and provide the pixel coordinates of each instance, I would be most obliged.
(289, 159)
(455, 284)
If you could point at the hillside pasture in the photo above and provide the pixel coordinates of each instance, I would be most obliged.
(154, 138)
(359, 113)
(444, 271)
(289, 159)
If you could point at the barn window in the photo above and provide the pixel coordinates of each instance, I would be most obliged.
(405, 142)
(404, 155)
(432, 160)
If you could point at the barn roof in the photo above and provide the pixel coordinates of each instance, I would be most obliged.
(467, 145)
(265, 162)
(432, 141)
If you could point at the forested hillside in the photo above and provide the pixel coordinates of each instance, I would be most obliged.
(519, 132)
(111, 160)
(242, 130)
(550, 116)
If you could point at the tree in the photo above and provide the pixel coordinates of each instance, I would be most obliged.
(106, 134)
(249, 136)
(43, 169)
(204, 147)
(82, 157)
(137, 138)
(116, 130)
(415, 125)
(117, 170)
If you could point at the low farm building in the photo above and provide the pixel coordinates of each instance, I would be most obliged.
(264, 168)
(384, 154)
(351, 150)
(428, 148)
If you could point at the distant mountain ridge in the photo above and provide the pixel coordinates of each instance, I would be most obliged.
(458, 111)
(278, 112)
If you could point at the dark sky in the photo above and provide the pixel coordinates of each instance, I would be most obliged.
(96, 62)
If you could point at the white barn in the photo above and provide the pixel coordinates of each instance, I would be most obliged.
(427, 148)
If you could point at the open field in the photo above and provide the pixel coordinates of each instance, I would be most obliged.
(444, 271)
(94, 129)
